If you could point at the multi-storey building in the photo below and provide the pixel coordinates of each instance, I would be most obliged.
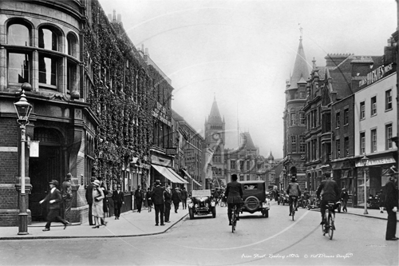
(190, 160)
(100, 106)
(245, 161)
(375, 122)
(294, 120)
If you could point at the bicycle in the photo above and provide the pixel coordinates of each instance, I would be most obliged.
(328, 227)
(293, 206)
(234, 218)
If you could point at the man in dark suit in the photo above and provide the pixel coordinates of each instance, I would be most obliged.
(54, 200)
(234, 196)
(89, 199)
(391, 204)
(138, 198)
(158, 200)
(118, 198)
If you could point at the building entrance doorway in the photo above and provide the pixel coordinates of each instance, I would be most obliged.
(43, 169)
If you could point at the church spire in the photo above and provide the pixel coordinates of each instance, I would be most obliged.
(301, 69)
(214, 116)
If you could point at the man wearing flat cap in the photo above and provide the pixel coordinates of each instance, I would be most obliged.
(391, 203)
(54, 200)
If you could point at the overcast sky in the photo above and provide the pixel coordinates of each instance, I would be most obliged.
(243, 51)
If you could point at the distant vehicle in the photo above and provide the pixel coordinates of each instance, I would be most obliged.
(254, 197)
(201, 202)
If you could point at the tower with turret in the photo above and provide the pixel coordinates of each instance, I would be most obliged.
(215, 141)
(294, 120)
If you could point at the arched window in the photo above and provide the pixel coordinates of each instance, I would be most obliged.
(18, 34)
(48, 39)
(71, 45)
(18, 61)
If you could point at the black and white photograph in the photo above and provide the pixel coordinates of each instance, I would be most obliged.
(199, 132)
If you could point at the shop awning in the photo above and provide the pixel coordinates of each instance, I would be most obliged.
(168, 174)
(182, 181)
(189, 176)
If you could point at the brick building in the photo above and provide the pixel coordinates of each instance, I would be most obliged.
(101, 107)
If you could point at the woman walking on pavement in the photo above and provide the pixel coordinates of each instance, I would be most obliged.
(98, 211)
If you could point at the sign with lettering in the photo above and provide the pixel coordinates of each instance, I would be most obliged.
(376, 74)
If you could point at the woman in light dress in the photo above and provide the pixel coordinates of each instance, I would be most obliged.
(98, 212)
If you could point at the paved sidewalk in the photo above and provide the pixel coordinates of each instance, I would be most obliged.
(129, 224)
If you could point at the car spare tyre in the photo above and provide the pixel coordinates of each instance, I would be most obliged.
(251, 203)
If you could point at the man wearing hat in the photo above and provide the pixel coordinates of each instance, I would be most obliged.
(293, 192)
(89, 199)
(157, 197)
(344, 198)
(391, 204)
(54, 200)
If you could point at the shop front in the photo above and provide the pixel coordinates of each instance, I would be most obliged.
(372, 176)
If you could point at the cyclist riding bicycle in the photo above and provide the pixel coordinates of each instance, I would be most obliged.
(329, 192)
(293, 192)
(234, 196)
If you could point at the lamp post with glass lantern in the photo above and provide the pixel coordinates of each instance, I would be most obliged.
(23, 109)
(364, 161)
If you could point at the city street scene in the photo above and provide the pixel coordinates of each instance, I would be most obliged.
(199, 132)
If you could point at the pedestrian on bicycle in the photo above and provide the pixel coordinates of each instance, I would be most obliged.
(234, 196)
(293, 192)
(329, 192)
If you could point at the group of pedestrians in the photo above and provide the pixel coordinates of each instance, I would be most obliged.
(163, 197)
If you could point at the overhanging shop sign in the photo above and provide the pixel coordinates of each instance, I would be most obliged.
(376, 74)
(372, 162)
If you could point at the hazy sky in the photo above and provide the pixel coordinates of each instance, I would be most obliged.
(243, 51)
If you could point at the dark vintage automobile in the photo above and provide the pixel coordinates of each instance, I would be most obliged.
(254, 197)
(201, 203)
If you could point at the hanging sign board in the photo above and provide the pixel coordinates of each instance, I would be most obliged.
(34, 148)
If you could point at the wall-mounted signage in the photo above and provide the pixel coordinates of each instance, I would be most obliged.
(376, 74)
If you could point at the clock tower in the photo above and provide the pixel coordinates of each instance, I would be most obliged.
(215, 140)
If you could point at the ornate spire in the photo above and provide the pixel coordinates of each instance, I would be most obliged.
(301, 69)
(214, 116)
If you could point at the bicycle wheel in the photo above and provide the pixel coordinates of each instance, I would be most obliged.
(330, 226)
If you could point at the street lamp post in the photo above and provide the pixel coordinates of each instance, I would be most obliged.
(23, 109)
(364, 161)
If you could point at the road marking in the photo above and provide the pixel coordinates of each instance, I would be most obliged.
(258, 242)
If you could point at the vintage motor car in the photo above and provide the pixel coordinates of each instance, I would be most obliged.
(254, 197)
(201, 202)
